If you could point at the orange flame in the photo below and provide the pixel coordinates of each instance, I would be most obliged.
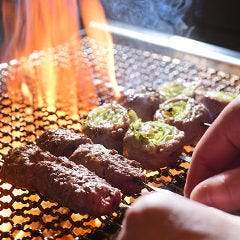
(36, 33)
(92, 11)
(36, 25)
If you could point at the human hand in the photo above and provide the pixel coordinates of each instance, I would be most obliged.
(168, 216)
(214, 173)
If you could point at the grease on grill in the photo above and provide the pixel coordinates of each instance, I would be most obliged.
(25, 215)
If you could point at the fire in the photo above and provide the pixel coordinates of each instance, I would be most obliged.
(37, 25)
(43, 46)
(93, 12)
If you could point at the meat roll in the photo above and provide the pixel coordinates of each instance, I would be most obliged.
(144, 103)
(107, 125)
(214, 101)
(185, 114)
(58, 179)
(154, 144)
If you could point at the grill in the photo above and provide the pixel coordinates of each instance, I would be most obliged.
(26, 215)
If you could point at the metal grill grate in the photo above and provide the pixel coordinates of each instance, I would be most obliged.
(26, 215)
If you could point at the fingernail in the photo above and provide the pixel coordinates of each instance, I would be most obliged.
(201, 194)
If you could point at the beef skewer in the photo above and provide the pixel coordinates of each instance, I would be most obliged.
(60, 180)
(48, 140)
(108, 164)
(61, 141)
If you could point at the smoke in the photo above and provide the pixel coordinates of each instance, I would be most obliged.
(160, 15)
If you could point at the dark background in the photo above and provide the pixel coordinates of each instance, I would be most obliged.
(213, 21)
(216, 22)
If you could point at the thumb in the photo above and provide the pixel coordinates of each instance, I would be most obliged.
(221, 191)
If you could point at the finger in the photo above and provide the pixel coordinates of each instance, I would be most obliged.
(218, 149)
(221, 191)
(169, 216)
(142, 219)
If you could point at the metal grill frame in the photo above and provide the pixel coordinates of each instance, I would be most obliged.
(22, 124)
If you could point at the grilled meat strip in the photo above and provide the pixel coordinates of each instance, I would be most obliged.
(58, 179)
(61, 142)
(108, 164)
(119, 171)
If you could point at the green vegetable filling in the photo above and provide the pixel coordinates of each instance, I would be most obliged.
(152, 132)
(227, 96)
(105, 115)
(173, 89)
(177, 110)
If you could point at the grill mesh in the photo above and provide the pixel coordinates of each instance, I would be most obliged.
(26, 215)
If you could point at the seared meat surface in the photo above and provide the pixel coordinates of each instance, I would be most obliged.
(117, 170)
(108, 164)
(60, 180)
(144, 103)
(214, 101)
(61, 142)
(20, 163)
